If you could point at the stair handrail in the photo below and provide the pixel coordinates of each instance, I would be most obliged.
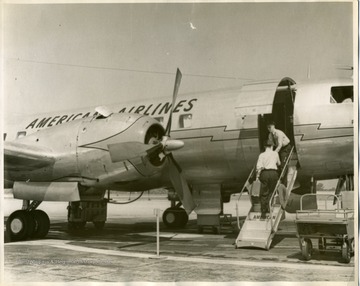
(277, 186)
(241, 192)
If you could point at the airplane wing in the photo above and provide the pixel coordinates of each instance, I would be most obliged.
(25, 157)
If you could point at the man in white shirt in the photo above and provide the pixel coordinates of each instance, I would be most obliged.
(280, 141)
(266, 171)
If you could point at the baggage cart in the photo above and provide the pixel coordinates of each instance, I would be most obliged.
(332, 228)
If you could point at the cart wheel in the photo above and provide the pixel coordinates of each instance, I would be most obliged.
(322, 245)
(216, 230)
(345, 252)
(306, 249)
(352, 246)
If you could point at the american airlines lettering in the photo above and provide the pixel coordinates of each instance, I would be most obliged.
(151, 109)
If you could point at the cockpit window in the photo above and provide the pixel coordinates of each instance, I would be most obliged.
(342, 94)
(21, 134)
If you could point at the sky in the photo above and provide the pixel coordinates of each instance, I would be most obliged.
(63, 56)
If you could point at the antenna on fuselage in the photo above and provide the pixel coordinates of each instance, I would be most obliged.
(345, 68)
(103, 111)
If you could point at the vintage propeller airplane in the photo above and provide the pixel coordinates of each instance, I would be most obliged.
(205, 153)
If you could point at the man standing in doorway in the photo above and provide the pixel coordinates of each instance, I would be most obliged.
(280, 141)
(266, 171)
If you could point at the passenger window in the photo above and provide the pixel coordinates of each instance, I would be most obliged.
(21, 134)
(342, 94)
(5, 136)
(185, 120)
(160, 119)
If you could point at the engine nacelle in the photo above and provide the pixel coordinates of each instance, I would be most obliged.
(97, 134)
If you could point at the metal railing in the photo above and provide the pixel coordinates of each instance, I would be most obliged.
(324, 214)
(326, 200)
(284, 171)
(242, 190)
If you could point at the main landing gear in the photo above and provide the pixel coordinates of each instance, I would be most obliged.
(175, 216)
(28, 222)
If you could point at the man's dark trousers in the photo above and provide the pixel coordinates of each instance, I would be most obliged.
(268, 179)
(284, 154)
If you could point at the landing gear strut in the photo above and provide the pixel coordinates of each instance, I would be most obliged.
(28, 222)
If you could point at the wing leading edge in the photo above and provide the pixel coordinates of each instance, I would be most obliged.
(24, 157)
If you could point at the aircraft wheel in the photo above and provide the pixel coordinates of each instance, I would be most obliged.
(183, 218)
(20, 225)
(346, 252)
(42, 223)
(170, 218)
(175, 217)
(99, 225)
(306, 249)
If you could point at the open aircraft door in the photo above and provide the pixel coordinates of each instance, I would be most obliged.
(257, 103)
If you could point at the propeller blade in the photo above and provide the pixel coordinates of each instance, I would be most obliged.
(176, 89)
(130, 150)
(180, 185)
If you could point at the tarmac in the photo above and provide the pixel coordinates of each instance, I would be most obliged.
(126, 251)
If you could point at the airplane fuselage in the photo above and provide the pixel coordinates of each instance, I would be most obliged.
(223, 133)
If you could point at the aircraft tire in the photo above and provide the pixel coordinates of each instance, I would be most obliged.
(175, 217)
(183, 218)
(20, 225)
(169, 218)
(42, 224)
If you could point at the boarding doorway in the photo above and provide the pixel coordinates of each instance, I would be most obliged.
(282, 112)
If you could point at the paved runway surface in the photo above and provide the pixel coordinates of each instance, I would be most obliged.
(126, 251)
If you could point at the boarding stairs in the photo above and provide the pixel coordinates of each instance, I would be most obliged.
(256, 232)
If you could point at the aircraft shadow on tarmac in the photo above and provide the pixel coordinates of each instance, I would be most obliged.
(116, 229)
(113, 231)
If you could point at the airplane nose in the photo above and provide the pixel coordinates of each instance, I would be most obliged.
(172, 145)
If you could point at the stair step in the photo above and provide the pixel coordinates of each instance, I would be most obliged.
(254, 235)
(256, 226)
(257, 232)
(259, 243)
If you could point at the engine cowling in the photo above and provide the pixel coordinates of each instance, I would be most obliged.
(97, 134)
